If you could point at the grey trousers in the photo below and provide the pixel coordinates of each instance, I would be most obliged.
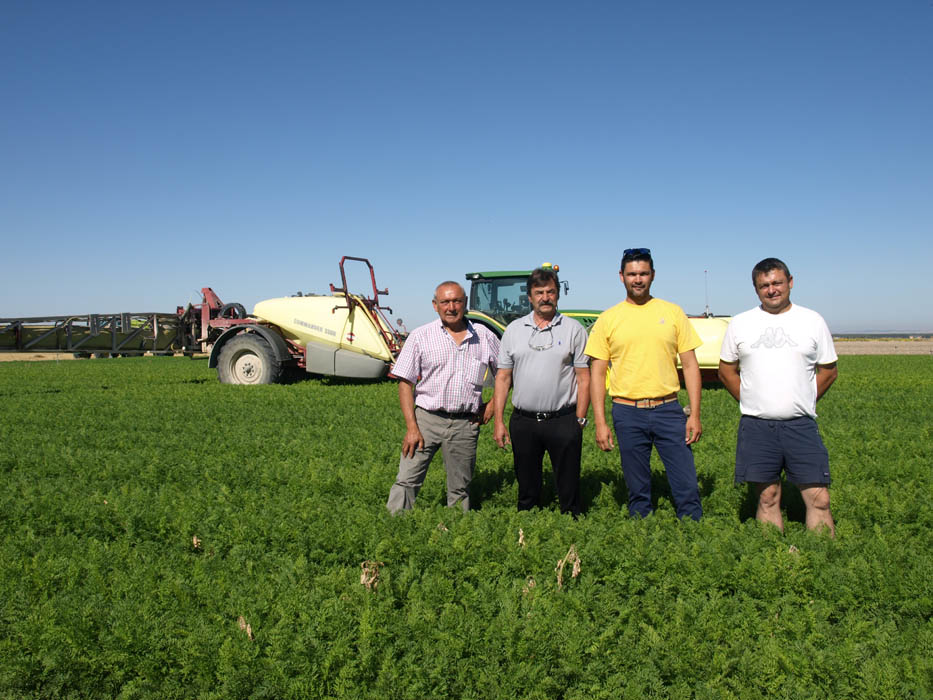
(456, 438)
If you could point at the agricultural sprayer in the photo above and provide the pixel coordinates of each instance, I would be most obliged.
(340, 333)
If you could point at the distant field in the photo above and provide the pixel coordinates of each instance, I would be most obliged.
(166, 536)
(844, 346)
(884, 346)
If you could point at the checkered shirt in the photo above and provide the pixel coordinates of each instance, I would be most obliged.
(447, 377)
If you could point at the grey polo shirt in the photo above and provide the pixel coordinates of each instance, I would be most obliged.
(543, 361)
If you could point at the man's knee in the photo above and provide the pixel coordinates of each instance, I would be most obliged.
(769, 496)
(815, 496)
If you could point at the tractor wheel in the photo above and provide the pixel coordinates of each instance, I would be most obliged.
(248, 359)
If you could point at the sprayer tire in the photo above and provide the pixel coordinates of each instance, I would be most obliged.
(248, 359)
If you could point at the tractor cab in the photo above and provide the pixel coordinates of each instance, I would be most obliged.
(502, 296)
(498, 298)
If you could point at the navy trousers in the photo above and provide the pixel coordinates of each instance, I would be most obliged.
(637, 429)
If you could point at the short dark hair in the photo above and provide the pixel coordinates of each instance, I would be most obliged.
(637, 257)
(542, 277)
(766, 266)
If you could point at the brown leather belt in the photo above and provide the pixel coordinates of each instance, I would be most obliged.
(645, 403)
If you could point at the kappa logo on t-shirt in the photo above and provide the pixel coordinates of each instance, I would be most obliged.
(774, 338)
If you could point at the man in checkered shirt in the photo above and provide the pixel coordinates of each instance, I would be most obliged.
(441, 371)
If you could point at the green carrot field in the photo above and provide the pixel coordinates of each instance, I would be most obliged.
(167, 536)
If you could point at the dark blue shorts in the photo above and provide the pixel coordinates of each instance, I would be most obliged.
(765, 447)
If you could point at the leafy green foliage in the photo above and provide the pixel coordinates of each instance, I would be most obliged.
(110, 469)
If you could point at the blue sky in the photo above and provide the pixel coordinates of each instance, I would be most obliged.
(150, 149)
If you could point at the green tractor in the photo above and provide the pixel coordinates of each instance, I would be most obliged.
(498, 298)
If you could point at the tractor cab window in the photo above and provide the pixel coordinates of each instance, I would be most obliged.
(500, 297)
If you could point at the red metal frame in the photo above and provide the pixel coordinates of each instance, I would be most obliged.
(371, 306)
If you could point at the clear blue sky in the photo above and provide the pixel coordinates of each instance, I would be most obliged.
(150, 149)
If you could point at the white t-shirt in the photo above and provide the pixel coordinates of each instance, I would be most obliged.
(777, 356)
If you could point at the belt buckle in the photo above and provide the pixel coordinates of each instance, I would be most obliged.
(541, 416)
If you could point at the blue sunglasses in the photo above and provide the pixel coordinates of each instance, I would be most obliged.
(632, 252)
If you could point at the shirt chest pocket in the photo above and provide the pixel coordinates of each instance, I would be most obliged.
(474, 371)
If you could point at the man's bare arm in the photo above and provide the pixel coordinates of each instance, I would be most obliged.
(413, 439)
(598, 369)
(694, 383)
(825, 376)
(729, 376)
(501, 392)
(583, 390)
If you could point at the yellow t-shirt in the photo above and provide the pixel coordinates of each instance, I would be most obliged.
(642, 342)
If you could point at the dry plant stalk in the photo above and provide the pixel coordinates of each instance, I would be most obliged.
(521, 538)
(370, 576)
(245, 626)
(529, 584)
(571, 558)
(196, 543)
(442, 527)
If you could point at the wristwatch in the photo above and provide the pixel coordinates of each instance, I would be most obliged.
(582, 421)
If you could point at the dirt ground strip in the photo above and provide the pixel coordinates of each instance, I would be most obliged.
(35, 356)
(893, 346)
(890, 346)
(32, 356)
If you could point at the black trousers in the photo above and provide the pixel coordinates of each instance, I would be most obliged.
(562, 438)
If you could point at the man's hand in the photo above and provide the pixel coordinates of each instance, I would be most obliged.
(694, 429)
(598, 370)
(412, 443)
(485, 413)
(694, 384)
(501, 434)
(604, 437)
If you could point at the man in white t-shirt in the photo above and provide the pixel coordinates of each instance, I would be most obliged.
(777, 360)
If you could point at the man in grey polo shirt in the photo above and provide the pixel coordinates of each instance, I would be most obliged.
(541, 354)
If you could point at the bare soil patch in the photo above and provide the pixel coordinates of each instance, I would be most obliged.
(34, 356)
(889, 346)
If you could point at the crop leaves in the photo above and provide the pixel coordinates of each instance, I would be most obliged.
(147, 510)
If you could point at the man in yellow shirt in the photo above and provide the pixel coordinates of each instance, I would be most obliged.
(642, 337)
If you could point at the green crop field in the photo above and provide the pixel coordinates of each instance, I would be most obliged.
(167, 536)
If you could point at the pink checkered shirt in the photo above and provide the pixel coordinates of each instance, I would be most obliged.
(447, 377)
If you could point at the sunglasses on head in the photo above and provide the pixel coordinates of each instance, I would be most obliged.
(632, 252)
